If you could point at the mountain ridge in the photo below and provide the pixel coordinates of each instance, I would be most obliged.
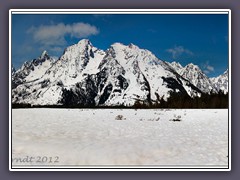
(84, 74)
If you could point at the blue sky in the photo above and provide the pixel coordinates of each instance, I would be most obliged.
(200, 39)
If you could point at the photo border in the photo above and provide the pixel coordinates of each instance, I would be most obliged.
(119, 11)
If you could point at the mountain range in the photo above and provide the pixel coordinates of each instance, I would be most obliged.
(121, 75)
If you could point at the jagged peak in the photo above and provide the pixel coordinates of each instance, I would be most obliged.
(81, 45)
(191, 65)
(35, 62)
(133, 46)
(174, 63)
(44, 55)
(13, 69)
(121, 45)
(226, 72)
(118, 44)
(221, 75)
(84, 42)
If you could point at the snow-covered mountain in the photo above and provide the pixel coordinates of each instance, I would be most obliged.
(176, 66)
(86, 75)
(32, 70)
(196, 76)
(221, 82)
(13, 71)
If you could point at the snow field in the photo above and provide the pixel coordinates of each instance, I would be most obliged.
(83, 137)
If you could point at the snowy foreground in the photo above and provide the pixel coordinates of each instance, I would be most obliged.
(142, 137)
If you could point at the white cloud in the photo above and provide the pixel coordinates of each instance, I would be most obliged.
(24, 48)
(210, 68)
(207, 68)
(52, 50)
(206, 71)
(56, 49)
(178, 51)
(55, 34)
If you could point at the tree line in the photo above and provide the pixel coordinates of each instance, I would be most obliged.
(176, 100)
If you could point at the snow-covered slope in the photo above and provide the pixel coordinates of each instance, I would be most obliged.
(176, 66)
(221, 82)
(13, 71)
(32, 70)
(195, 75)
(86, 75)
(145, 76)
(70, 69)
